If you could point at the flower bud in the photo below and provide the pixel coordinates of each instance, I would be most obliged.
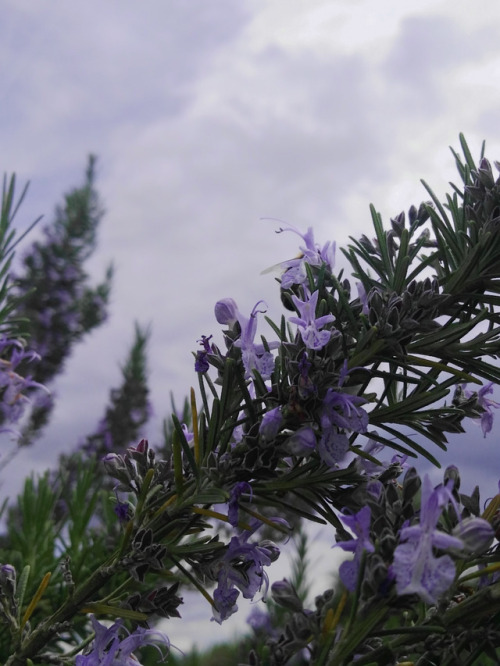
(226, 311)
(452, 473)
(284, 594)
(8, 581)
(302, 442)
(476, 534)
(114, 464)
(270, 424)
(411, 485)
(272, 549)
(375, 488)
(7, 572)
(260, 620)
(302, 625)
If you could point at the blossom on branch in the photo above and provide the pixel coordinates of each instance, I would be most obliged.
(254, 356)
(109, 649)
(311, 253)
(341, 412)
(486, 405)
(309, 325)
(359, 523)
(13, 386)
(241, 569)
(416, 568)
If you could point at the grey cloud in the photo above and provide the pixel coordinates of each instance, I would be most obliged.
(426, 52)
(72, 70)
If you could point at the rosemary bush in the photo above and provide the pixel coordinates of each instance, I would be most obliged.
(363, 375)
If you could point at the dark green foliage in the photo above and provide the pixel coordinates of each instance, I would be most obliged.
(12, 323)
(129, 408)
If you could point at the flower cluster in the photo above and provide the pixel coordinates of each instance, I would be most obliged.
(108, 649)
(241, 569)
(15, 387)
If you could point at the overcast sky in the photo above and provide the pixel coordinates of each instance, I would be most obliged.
(208, 116)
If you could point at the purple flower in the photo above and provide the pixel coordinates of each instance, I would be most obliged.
(476, 534)
(367, 466)
(242, 567)
(333, 444)
(226, 311)
(187, 434)
(225, 597)
(363, 299)
(305, 383)
(486, 403)
(308, 324)
(312, 254)
(359, 523)
(254, 356)
(109, 650)
(270, 424)
(201, 363)
(122, 510)
(260, 621)
(237, 491)
(8, 581)
(370, 468)
(302, 442)
(13, 399)
(343, 410)
(417, 570)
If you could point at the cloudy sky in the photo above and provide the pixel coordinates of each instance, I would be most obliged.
(209, 116)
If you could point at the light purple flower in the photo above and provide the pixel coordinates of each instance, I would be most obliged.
(359, 523)
(225, 598)
(260, 621)
(254, 356)
(486, 403)
(333, 444)
(270, 424)
(312, 254)
(302, 442)
(367, 466)
(416, 568)
(363, 299)
(13, 399)
(241, 569)
(187, 434)
(226, 311)
(233, 503)
(109, 650)
(309, 325)
(476, 534)
(343, 410)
